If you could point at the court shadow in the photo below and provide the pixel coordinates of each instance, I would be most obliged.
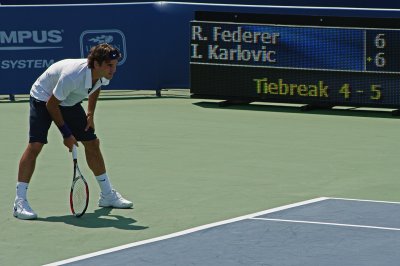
(100, 218)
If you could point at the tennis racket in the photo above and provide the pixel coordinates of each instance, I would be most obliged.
(79, 196)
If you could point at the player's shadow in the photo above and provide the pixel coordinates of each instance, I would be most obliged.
(100, 218)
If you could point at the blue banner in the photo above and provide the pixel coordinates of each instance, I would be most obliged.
(33, 38)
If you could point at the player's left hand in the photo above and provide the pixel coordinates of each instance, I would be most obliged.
(90, 122)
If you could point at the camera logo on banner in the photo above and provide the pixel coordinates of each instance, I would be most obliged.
(114, 37)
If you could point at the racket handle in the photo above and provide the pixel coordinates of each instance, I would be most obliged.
(74, 152)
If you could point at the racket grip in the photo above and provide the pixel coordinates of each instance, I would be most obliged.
(74, 152)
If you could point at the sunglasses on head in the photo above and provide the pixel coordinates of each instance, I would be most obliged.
(114, 54)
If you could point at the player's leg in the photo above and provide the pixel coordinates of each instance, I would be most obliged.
(28, 161)
(108, 196)
(22, 209)
(75, 117)
(94, 156)
(95, 161)
(39, 124)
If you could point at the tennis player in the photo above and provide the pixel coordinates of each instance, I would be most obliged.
(56, 96)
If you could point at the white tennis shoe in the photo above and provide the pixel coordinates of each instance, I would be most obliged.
(23, 211)
(115, 200)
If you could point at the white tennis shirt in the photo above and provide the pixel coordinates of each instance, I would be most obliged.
(70, 80)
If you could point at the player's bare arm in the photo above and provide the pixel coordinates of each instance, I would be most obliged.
(52, 106)
(92, 101)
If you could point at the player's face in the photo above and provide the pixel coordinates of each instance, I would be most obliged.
(107, 68)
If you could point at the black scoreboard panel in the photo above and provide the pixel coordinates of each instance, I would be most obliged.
(318, 61)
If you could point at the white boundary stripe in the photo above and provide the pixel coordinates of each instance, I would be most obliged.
(188, 231)
(365, 200)
(335, 224)
(216, 4)
(88, 4)
(289, 7)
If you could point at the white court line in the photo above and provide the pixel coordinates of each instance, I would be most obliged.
(188, 231)
(364, 200)
(335, 224)
(281, 6)
(162, 3)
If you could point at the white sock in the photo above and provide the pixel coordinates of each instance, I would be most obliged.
(22, 188)
(104, 183)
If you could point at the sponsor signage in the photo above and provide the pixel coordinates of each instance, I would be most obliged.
(116, 38)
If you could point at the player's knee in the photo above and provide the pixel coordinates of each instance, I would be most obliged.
(93, 145)
(33, 150)
(35, 147)
(96, 144)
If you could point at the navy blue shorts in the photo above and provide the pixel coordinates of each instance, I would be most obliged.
(40, 121)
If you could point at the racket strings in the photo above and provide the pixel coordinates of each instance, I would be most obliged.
(79, 196)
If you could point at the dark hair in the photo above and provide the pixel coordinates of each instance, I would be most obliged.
(102, 52)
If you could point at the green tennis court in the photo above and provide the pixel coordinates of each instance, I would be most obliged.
(188, 162)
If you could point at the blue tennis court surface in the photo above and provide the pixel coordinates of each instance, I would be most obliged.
(322, 231)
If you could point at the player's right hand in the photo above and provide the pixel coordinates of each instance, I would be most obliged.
(70, 142)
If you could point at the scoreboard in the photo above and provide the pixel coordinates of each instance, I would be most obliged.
(323, 61)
